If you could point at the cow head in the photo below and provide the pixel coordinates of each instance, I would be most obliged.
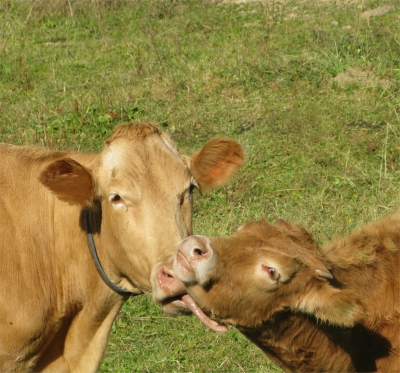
(142, 187)
(242, 280)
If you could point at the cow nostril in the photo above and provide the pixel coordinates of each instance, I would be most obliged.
(166, 274)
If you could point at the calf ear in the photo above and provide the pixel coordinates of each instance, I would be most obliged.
(304, 247)
(216, 163)
(332, 305)
(69, 180)
(297, 234)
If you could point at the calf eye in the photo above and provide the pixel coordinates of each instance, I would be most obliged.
(272, 272)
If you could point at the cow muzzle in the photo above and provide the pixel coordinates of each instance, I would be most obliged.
(176, 301)
(167, 289)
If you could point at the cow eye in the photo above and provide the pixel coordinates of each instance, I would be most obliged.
(188, 194)
(116, 199)
(191, 188)
(272, 272)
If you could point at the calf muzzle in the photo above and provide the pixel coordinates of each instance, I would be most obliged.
(194, 260)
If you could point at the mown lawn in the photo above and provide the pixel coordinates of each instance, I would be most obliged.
(309, 88)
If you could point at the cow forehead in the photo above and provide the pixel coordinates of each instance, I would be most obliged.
(149, 160)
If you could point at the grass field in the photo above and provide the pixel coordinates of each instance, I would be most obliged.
(309, 88)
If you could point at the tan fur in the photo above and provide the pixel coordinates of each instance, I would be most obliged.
(72, 182)
(129, 132)
(310, 323)
(55, 311)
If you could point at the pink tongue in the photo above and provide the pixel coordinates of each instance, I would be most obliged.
(191, 304)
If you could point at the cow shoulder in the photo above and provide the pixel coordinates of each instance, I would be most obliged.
(216, 163)
(68, 180)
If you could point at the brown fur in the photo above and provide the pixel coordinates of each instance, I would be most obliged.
(214, 174)
(55, 311)
(308, 322)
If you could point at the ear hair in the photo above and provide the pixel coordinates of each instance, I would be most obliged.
(297, 233)
(304, 247)
(216, 163)
(69, 180)
(335, 306)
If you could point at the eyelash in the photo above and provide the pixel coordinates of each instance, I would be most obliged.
(116, 199)
(191, 188)
(272, 272)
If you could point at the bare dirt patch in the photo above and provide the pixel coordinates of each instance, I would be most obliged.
(362, 78)
(377, 12)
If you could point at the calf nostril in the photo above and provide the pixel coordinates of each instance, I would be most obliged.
(198, 252)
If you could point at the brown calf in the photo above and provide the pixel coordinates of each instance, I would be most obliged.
(310, 309)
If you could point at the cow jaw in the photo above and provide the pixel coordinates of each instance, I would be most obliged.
(170, 292)
(167, 289)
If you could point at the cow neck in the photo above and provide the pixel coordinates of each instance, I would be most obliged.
(97, 264)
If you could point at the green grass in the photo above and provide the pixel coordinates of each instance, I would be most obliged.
(318, 153)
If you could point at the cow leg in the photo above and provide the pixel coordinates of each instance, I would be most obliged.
(80, 344)
(90, 359)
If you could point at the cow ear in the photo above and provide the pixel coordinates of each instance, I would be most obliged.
(332, 305)
(216, 163)
(69, 180)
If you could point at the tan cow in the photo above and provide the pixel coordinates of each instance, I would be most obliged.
(310, 309)
(132, 201)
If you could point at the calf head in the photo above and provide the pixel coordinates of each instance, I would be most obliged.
(143, 187)
(242, 280)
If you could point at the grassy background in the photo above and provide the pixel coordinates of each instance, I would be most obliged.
(319, 152)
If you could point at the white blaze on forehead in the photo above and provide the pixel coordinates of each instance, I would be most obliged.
(112, 157)
(120, 158)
